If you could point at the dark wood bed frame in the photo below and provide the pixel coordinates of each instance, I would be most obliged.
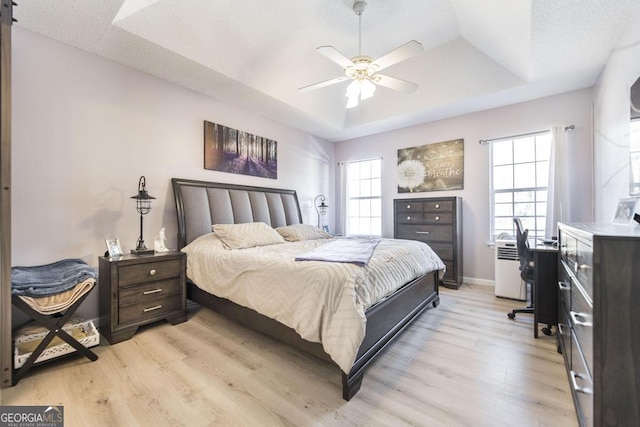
(199, 204)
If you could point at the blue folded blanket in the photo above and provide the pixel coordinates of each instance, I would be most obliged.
(50, 279)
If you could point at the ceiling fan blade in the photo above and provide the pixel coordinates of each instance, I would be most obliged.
(323, 84)
(333, 54)
(405, 51)
(395, 84)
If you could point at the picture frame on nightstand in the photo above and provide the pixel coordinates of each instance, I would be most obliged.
(113, 247)
(625, 211)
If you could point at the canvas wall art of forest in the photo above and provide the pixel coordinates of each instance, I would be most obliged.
(234, 151)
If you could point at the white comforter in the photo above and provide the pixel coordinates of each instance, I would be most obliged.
(323, 301)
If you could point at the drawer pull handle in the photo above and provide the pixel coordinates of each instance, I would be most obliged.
(408, 206)
(563, 286)
(437, 206)
(408, 218)
(422, 232)
(576, 321)
(154, 291)
(152, 272)
(157, 307)
(584, 267)
(437, 218)
(575, 386)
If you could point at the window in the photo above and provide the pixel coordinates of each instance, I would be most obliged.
(364, 198)
(519, 181)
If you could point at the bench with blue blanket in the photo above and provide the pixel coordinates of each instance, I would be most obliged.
(50, 279)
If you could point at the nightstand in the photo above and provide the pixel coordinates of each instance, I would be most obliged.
(138, 290)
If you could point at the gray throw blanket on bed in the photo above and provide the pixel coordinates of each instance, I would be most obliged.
(354, 251)
(50, 279)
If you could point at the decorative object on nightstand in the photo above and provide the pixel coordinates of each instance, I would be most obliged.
(136, 291)
(143, 206)
(436, 221)
(320, 208)
(159, 243)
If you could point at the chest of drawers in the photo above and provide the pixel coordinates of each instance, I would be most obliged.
(137, 290)
(436, 221)
(599, 321)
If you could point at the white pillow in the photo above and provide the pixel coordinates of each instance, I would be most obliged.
(247, 235)
(298, 232)
(207, 241)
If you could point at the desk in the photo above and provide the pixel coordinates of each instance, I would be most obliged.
(545, 276)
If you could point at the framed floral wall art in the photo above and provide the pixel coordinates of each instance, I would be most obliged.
(431, 167)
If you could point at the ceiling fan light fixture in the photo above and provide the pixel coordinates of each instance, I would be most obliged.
(367, 89)
(362, 69)
(359, 90)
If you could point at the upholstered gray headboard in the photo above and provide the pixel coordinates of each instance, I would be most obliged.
(200, 204)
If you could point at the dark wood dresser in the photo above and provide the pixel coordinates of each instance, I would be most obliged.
(599, 321)
(436, 221)
(137, 290)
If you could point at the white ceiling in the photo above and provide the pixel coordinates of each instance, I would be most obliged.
(478, 54)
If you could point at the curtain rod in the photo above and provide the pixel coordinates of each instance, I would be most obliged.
(521, 135)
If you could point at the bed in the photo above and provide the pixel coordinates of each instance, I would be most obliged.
(200, 204)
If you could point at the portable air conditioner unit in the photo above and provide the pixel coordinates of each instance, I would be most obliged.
(509, 284)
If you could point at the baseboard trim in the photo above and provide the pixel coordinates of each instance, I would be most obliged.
(476, 281)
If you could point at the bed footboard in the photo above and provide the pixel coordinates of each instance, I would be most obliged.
(385, 321)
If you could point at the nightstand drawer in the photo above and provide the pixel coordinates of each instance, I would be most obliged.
(146, 310)
(145, 272)
(148, 292)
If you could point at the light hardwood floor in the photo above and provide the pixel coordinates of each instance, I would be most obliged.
(461, 364)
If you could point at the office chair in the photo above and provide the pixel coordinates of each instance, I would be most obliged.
(526, 265)
(526, 270)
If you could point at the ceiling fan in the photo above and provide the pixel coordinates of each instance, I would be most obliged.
(362, 69)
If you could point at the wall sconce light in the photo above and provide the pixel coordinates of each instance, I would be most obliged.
(320, 208)
(143, 206)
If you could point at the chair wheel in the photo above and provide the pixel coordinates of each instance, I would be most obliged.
(546, 331)
(511, 315)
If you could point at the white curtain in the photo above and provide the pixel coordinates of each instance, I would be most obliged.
(341, 200)
(558, 206)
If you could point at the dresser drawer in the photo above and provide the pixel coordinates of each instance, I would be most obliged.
(410, 218)
(146, 310)
(426, 233)
(581, 315)
(584, 267)
(438, 218)
(564, 334)
(564, 287)
(148, 292)
(581, 385)
(438, 206)
(568, 250)
(448, 275)
(140, 273)
(444, 250)
(409, 207)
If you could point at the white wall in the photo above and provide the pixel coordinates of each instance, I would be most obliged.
(571, 108)
(611, 122)
(85, 129)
